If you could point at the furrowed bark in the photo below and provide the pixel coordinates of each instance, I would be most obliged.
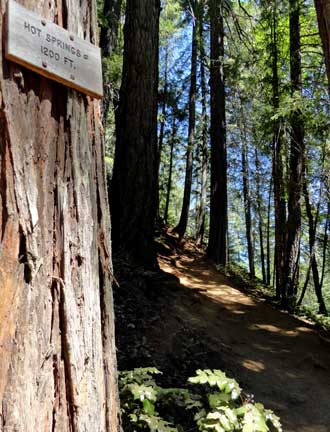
(58, 367)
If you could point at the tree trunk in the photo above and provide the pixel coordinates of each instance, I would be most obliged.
(108, 44)
(323, 17)
(204, 148)
(312, 225)
(133, 189)
(260, 218)
(279, 196)
(169, 181)
(183, 222)
(268, 232)
(325, 243)
(161, 130)
(58, 367)
(296, 162)
(109, 32)
(246, 193)
(217, 246)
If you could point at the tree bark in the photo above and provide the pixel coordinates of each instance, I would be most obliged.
(204, 147)
(180, 229)
(296, 162)
(323, 17)
(58, 367)
(133, 189)
(217, 246)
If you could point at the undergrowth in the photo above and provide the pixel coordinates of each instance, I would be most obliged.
(211, 402)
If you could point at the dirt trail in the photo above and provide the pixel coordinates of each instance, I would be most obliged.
(281, 360)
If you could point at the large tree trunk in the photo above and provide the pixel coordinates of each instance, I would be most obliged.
(183, 222)
(296, 162)
(323, 17)
(217, 246)
(133, 189)
(58, 368)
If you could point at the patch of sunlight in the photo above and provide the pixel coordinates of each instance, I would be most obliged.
(273, 329)
(305, 330)
(238, 312)
(254, 365)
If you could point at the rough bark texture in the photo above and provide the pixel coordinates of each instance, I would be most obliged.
(323, 17)
(296, 162)
(133, 189)
(183, 222)
(217, 247)
(57, 369)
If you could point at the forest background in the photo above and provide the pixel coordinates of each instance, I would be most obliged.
(263, 138)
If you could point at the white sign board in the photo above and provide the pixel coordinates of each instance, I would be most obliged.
(52, 51)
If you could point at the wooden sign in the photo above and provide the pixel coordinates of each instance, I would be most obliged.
(52, 51)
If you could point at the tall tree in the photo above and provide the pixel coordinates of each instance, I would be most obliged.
(312, 225)
(133, 188)
(58, 368)
(260, 216)
(109, 29)
(323, 17)
(279, 193)
(170, 171)
(108, 44)
(246, 190)
(201, 216)
(217, 246)
(183, 222)
(293, 231)
(162, 125)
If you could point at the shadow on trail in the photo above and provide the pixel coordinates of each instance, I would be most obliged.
(278, 358)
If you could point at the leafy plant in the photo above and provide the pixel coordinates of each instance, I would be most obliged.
(138, 394)
(226, 409)
(218, 405)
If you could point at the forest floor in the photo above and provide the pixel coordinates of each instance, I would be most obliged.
(198, 319)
